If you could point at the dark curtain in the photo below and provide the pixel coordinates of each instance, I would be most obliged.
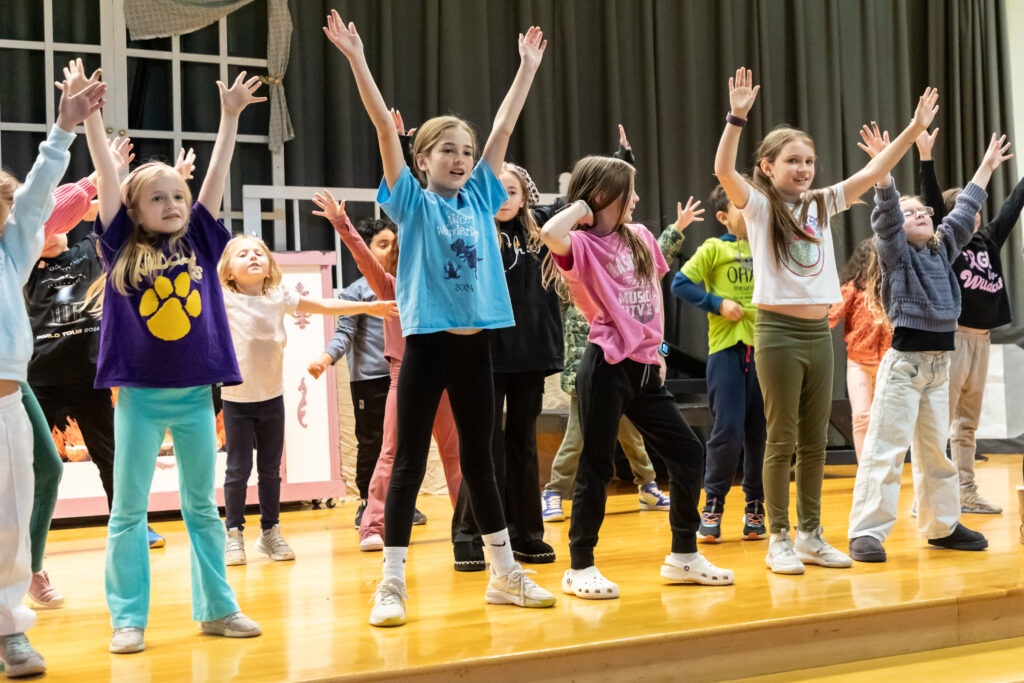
(661, 67)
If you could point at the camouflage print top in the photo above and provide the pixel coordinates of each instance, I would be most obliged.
(575, 328)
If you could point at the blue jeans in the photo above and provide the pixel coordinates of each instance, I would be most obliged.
(737, 407)
(248, 425)
(141, 417)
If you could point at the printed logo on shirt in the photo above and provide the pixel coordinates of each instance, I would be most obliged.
(979, 274)
(805, 258)
(168, 308)
(513, 249)
(637, 300)
(462, 237)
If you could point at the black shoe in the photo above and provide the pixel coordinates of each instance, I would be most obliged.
(710, 530)
(867, 549)
(753, 521)
(533, 552)
(359, 512)
(962, 538)
(418, 518)
(469, 556)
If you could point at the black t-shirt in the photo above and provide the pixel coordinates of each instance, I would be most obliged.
(909, 339)
(66, 337)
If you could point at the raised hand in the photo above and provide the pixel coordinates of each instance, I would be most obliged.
(330, 209)
(742, 92)
(927, 107)
(996, 153)
(383, 309)
(240, 95)
(623, 142)
(74, 109)
(874, 141)
(396, 116)
(531, 47)
(687, 215)
(121, 148)
(185, 165)
(74, 76)
(731, 310)
(345, 38)
(925, 142)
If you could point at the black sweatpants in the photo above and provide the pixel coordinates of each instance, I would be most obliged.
(462, 365)
(519, 396)
(606, 392)
(369, 397)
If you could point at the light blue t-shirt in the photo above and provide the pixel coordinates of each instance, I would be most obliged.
(450, 272)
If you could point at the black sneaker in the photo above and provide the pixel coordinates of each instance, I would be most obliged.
(867, 549)
(359, 512)
(753, 521)
(469, 556)
(962, 538)
(418, 518)
(533, 552)
(711, 521)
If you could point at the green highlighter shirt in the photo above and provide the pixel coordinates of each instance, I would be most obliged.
(725, 266)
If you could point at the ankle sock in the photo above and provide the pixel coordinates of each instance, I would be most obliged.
(685, 558)
(394, 562)
(498, 549)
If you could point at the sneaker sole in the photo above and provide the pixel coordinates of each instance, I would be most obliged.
(814, 559)
(979, 511)
(229, 633)
(40, 605)
(390, 621)
(236, 563)
(157, 544)
(542, 558)
(126, 650)
(972, 545)
(754, 536)
(654, 506)
(591, 596)
(868, 557)
(496, 597)
(791, 572)
(277, 558)
(470, 565)
(709, 538)
(554, 518)
(674, 574)
(371, 547)
(31, 669)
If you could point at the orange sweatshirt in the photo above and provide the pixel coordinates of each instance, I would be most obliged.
(867, 338)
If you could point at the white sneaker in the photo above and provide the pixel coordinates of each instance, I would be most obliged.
(516, 588)
(274, 546)
(780, 558)
(234, 548)
(235, 625)
(19, 658)
(972, 502)
(126, 640)
(813, 549)
(588, 584)
(389, 603)
(371, 543)
(699, 571)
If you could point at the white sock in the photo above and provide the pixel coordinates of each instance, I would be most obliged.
(685, 558)
(394, 562)
(498, 549)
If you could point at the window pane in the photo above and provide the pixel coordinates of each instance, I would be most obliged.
(204, 151)
(247, 31)
(255, 120)
(22, 21)
(149, 94)
(250, 165)
(18, 152)
(200, 98)
(23, 99)
(76, 21)
(151, 44)
(205, 41)
(150, 149)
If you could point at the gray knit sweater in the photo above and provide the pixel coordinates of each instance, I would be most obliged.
(919, 289)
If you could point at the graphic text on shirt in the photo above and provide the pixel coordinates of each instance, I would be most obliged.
(803, 257)
(637, 300)
(979, 274)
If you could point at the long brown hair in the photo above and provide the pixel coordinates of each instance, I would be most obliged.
(600, 181)
(783, 226)
(548, 270)
(430, 132)
(864, 272)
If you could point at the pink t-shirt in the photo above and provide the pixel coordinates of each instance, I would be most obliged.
(625, 316)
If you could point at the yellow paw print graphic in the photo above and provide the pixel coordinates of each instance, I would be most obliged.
(170, 319)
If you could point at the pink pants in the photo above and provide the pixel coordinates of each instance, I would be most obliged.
(447, 439)
(860, 385)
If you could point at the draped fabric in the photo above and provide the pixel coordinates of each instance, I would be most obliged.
(279, 36)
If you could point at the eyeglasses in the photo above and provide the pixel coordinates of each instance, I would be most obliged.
(926, 211)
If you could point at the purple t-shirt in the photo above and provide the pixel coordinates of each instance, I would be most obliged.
(172, 331)
(625, 315)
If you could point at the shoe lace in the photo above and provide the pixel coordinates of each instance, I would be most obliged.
(755, 519)
(388, 594)
(277, 543)
(519, 580)
(711, 518)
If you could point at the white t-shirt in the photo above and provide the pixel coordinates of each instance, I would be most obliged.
(258, 334)
(808, 275)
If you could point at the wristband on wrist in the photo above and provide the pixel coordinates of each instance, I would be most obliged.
(735, 120)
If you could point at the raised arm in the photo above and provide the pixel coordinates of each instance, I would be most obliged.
(232, 101)
(334, 211)
(1001, 226)
(878, 168)
(531, 51)
(930, 191)
(347, 40)
(555, 233)
(742, 94)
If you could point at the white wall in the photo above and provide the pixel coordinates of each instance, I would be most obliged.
(1014, 31)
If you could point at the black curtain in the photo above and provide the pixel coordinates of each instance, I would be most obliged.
(660, 67)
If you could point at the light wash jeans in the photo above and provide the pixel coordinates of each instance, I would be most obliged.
(16, 493)
(911, 408)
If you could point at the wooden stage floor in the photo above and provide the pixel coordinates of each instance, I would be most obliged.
(314, 610)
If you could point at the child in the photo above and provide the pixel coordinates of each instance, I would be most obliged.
(451, 289)
(575, 332)
(979, 272)
(256, 304)
(378, 264)
(866, 331)
(164, 340)
(922, 301)
(612, 267)
(724, 265)
(795, 282)
(23, 211)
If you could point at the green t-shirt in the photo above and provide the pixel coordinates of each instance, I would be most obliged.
(726, 267)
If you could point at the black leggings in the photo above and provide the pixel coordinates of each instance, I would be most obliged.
(606, 393)
(462, 365)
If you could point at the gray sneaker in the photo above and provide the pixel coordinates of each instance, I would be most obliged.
(275, 547)
(973, 502)
(19, 657)
(235, 625)
(126, 640)
(234, 548)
